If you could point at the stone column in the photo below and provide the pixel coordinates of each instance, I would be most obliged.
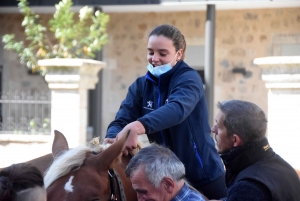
(282, 77)
(69, 80)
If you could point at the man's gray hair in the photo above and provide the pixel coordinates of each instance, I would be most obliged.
(158, 162)
(245, 119)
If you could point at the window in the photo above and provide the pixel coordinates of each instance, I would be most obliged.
(286, 45)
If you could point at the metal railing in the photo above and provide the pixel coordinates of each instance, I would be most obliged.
(25, 112)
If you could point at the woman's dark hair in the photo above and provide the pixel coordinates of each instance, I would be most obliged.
(172, 33)
(18, 177)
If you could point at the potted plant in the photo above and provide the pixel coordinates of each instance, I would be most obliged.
(62, 54)
(67, 36)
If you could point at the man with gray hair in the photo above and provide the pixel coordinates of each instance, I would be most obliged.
(157, 174)
(253, 170)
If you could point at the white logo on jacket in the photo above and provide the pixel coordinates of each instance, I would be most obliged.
(149, 105)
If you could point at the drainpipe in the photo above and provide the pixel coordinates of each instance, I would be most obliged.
(209, 60)
(95, 103)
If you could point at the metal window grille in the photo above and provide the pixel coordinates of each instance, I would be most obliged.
(25, 112)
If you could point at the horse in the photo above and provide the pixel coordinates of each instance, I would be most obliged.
(90, 175)
(83, 174)
(22, 182)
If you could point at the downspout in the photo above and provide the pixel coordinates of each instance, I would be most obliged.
(209, 56)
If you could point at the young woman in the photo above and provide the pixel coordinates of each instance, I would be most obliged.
(168, 104)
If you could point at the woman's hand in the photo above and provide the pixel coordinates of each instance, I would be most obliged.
(136, 128)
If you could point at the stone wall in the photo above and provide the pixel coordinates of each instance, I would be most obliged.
(242, 36)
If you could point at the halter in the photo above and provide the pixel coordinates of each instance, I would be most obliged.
(115, 181)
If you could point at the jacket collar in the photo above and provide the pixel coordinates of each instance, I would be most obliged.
(243, 156)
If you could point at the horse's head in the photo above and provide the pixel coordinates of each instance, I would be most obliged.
(79, 174)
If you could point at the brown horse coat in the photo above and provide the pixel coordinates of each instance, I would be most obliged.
(90, 181)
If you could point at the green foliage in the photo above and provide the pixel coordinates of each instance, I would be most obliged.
(34, 128)
(66, 37)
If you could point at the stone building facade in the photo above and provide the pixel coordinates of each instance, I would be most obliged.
(241, 36)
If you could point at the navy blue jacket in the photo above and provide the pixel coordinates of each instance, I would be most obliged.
(173, 110)
(255, 172)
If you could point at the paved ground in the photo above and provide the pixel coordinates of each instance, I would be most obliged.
(11, 153)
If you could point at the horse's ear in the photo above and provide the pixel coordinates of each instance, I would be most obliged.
(60, 144)
(106, 158)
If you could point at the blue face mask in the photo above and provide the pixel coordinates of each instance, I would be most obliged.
(158, 70)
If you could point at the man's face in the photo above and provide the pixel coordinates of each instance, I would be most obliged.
(145, 190)
(223, 140)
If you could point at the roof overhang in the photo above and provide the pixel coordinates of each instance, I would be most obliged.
(169, 6)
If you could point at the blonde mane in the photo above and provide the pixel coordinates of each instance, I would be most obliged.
(65, 163)
(73, 158)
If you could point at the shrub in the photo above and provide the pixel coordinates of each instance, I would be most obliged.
(67, 36)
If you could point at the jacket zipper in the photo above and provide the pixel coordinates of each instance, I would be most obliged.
(158, 105)
(197, 155)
